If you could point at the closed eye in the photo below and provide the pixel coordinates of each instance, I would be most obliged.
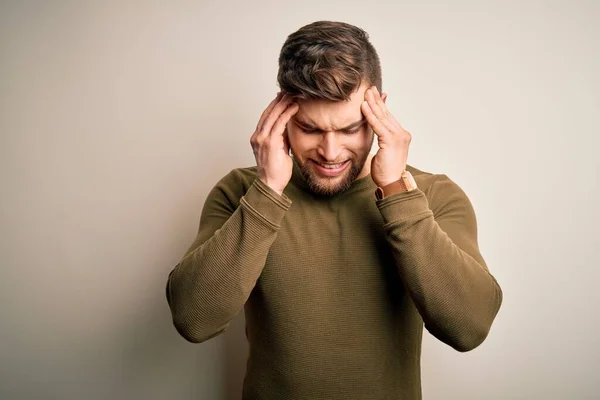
(347, 132)
(309, 130)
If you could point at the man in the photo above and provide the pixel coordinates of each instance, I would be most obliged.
(338, 257)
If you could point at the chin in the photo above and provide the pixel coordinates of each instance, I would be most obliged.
(330, 186)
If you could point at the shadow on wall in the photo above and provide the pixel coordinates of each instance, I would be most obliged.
(236, 356)
(153, 357)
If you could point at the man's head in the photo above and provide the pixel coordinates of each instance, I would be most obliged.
(327, 66)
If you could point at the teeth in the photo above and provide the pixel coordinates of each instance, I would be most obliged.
(332, 166)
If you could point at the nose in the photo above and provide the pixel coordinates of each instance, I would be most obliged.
(329, 148)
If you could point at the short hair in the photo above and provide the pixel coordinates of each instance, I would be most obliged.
(327, 60)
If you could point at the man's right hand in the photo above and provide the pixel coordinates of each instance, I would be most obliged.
(270, 143)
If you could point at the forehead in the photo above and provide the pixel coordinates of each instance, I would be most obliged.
(328, 114)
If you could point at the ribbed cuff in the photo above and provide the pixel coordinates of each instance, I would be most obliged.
(266, 203)
(402, 206)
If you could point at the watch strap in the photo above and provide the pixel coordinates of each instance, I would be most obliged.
(404, 184)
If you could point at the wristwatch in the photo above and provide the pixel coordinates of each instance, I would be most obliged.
(406, 183)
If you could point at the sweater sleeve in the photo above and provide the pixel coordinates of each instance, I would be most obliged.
(438, 258)
(213, 280)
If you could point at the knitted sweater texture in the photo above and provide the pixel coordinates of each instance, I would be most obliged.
(336, 290)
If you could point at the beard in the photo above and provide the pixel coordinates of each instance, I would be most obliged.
(331, 186)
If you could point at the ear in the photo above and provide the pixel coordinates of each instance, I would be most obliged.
(384, 97)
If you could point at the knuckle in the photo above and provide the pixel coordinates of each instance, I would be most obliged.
(278, 126)
(265, 144)
(257, 142)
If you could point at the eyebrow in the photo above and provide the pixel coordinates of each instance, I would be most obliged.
(311, 126)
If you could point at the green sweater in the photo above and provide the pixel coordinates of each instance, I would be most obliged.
(336, 290)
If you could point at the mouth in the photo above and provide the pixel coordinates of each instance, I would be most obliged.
(331, 169)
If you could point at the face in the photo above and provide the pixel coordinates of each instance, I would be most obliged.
(331, 142)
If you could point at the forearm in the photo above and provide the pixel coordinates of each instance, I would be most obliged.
(215, 278)
(452, 289)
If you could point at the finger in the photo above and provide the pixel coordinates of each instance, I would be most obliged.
(261, 121)
(378, 127)
(375, 106)
(268, 110)
(379, 108)
(390, 118)
(379, 100)
(275, 113)
(284, 118)
(393, 120)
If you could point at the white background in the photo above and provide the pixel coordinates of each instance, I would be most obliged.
(116, 119)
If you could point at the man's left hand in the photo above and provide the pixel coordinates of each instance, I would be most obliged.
(391, 158)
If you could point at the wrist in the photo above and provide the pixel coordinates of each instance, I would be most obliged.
(271, 186)
(406, 183)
